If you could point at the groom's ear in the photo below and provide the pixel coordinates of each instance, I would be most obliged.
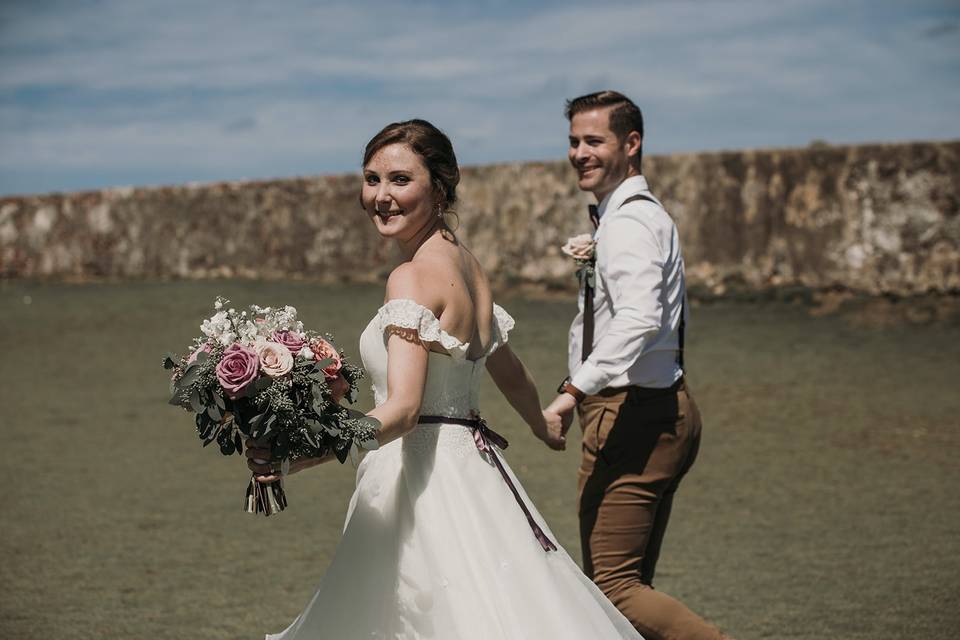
(633, 143)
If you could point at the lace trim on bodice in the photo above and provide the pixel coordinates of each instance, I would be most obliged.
(408, 314)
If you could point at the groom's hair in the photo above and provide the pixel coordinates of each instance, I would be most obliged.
(625, 116)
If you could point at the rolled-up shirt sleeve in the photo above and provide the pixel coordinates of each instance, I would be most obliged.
(631, 264)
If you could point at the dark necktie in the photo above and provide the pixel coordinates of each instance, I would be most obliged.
(586, 342)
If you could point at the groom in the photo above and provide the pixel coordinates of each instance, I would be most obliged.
(641, 427)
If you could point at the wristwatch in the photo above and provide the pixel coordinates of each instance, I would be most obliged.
(567, 387)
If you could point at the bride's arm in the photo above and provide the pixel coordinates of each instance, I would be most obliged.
(406, 377)
(407, 356)
(517, 386)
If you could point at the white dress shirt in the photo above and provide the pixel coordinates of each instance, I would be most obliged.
(638, 297)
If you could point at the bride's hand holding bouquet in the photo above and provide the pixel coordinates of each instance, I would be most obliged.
(257, 453)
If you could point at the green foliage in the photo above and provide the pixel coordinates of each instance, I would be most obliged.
(294, 414)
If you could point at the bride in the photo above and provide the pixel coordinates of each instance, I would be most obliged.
(441, 541)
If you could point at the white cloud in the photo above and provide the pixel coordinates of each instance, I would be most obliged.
(226, 88)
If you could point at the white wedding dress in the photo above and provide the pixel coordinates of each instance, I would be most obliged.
(435, 545)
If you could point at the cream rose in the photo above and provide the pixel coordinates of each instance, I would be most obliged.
(275, 358)
(579, 247)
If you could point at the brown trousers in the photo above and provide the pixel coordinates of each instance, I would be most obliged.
(637, 446)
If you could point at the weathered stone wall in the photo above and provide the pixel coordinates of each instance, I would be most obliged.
(871, 218)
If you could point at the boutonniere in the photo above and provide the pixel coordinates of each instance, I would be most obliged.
(583, 250)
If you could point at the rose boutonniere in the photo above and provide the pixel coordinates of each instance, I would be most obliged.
(583, 250)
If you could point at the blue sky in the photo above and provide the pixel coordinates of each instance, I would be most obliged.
(97, 93)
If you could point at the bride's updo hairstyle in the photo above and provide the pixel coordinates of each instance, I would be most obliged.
(432, 145)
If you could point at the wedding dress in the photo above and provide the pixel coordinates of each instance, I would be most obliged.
(435, 544)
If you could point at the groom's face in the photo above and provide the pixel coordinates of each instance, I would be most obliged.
(599, 156)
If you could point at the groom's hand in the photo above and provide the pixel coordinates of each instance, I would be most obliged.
(563, 405)
(554, 435)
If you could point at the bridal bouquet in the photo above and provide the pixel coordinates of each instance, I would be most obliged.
(258, 374)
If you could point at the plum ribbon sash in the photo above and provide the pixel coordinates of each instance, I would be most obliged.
(485, 438)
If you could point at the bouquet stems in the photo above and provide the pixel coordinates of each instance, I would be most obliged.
(267, 499)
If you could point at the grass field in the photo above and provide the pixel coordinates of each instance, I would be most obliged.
(824, 503)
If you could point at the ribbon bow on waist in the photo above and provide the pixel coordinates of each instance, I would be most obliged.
(485, 437)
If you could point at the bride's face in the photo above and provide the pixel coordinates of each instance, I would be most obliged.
(398, 194)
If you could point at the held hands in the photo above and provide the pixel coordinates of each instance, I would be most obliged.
(553, 433)
(559, 417)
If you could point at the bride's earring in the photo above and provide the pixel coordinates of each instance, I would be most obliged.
(439, 211)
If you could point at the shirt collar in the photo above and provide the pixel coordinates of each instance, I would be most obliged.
(627, 188)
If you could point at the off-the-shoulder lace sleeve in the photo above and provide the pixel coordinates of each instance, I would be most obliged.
(503, 324)
(407, 314)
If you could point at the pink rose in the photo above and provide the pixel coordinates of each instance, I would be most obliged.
(204, 348)
(275, 359)
(323, 350)
(238, 368)
(290, 339)
(580, 247)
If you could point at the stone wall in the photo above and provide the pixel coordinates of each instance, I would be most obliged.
(870, 218)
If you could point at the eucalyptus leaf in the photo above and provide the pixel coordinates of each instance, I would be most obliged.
(318, 407)
(195, 402)
(203, 420)
(201, 356)
(189, 375)
(218, 399)
(215, 431)
(169, 361)
(243, 427)
(370, 422)
(225, 442)
(257, 421)
(214, 412)
(322, 364)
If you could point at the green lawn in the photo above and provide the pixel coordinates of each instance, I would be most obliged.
(824, 503)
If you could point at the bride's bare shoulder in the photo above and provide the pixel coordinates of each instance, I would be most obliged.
(416, 280)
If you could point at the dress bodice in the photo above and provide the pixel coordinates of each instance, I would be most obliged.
(453, 381)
